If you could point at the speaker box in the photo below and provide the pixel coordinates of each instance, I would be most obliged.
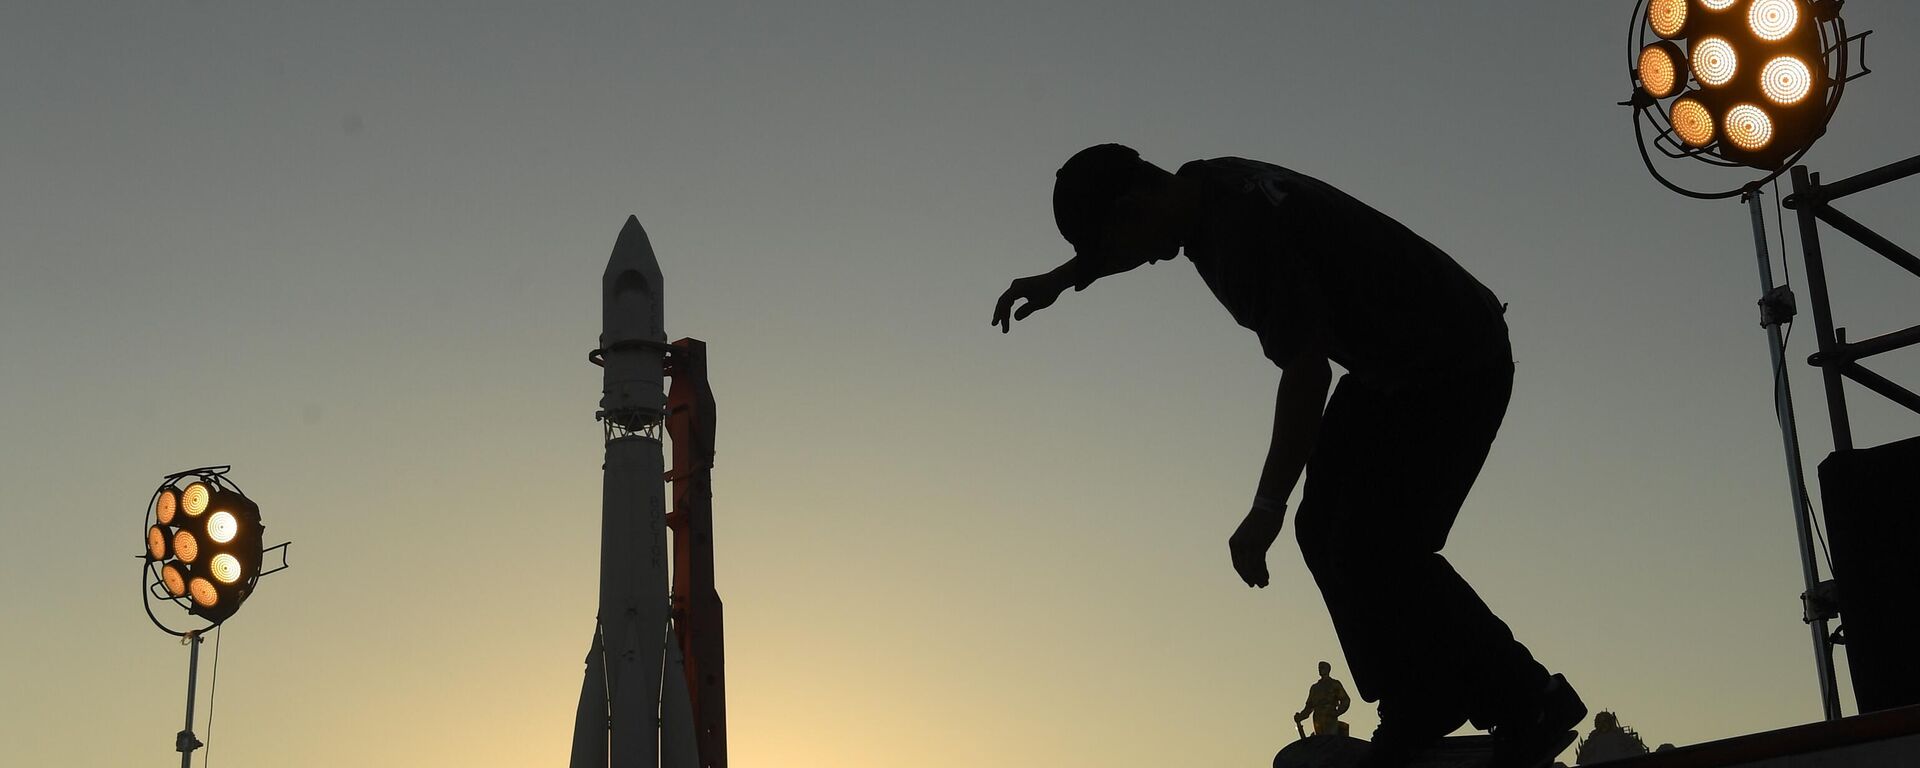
(1873, 521)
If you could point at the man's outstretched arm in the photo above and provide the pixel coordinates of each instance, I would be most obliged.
(1040, 291)
(1297, 407)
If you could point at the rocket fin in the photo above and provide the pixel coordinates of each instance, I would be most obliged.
(679, 745)
(590, 722)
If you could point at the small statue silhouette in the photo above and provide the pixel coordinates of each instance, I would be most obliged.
(1326, 702)
(1609, 741)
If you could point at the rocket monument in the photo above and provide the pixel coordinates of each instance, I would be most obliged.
(654, 692)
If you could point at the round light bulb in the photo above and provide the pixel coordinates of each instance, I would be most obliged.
(166, 506)
(1667, 17)
(225, 567)
(1772, 20)
(222, 526)
(194, 500)
(1749, 128)
(1659, 72)
(1692, 122)
(1718, 5)
(1714, 62)
(173, 580)
(204, 594)
(156, 543)
(1786, 80)
(185, 546)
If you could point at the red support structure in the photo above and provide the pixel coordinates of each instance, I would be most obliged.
(696, 604)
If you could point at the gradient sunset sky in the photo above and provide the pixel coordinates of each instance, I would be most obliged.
(354, 250)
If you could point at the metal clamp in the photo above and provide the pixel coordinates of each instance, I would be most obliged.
(1820, 603)
(1777, 307)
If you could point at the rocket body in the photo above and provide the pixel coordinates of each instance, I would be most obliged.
(626, 654)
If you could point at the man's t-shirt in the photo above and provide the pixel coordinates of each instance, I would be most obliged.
(1290, 255)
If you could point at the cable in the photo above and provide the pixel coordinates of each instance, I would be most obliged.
(1780, 225)
(213, 687)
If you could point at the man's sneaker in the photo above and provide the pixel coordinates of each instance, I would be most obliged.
(1406, 728)
(1542, 735)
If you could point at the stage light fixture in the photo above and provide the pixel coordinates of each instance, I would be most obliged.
(1734, 83)
(211, 553)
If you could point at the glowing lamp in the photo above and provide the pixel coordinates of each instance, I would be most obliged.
(157, 542)
(1773, 20)
(185, 546)
(1667, 17)
(1714, 61)
(166, 506)
(1786, 80)
(1749, 128)
(225, 568)
(222, 527)
(194, 500)
(1692, 122)
(204, 593)
(173, 578)
(1661, 67)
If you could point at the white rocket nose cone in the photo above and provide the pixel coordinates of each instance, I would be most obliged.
(630, 299)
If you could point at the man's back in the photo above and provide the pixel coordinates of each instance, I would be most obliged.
(1290, 255)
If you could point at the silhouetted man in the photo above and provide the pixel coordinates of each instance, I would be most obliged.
(1326, 702)
(1319, 277)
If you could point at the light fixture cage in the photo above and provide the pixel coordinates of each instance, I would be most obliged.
(243, 548)
(1818, 36)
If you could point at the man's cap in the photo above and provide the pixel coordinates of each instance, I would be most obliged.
(1085, 189)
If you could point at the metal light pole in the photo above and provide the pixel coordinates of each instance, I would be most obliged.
(185, 742)
(1777, 308)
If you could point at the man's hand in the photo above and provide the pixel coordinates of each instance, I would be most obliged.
(1250, 541)
(1040, 291)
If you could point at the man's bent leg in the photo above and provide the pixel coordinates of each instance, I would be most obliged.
(1383, 490)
